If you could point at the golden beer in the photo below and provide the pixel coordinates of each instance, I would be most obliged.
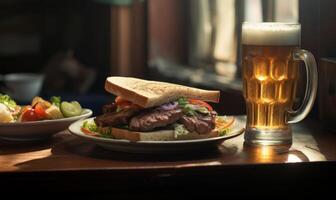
(269, 84)
(270, 65)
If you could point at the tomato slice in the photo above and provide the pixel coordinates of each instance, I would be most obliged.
(119, 99)
(200, 103)
(28, 114)
(122, 103)
(40, 111)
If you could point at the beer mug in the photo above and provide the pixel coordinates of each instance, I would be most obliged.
(271, 55)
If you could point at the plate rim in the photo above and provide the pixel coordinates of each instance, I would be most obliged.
(124, 141)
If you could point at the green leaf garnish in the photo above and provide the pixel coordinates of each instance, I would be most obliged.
(56, 100)
(182, 101)
(91, 126)
(203, 110)
(7, 100)
(224, 131)
(188, 109)
(180, 130)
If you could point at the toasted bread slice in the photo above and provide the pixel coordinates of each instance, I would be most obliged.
(161, 135)
(153, 93)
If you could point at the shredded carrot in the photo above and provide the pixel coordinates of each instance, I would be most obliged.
(88, 132)
(222, 124)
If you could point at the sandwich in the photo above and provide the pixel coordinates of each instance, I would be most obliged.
(146, 110)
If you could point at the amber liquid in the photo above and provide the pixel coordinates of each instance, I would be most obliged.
(269, 85)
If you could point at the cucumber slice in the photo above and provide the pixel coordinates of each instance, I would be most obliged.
(70, 109)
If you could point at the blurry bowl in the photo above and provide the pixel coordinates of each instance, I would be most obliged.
(23, 86)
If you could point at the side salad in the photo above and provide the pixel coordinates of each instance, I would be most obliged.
(39, 109)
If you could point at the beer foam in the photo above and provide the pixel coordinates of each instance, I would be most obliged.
(271, 34)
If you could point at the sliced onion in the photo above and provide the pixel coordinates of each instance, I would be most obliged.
(169, 106)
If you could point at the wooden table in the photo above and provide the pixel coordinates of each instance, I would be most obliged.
(68, 163)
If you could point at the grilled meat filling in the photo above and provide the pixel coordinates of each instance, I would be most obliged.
(116, 118)
(155, 118)
(112, 107)
(200, 123)
(149, 119)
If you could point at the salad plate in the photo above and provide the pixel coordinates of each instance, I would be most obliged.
(38, 130)
(153, 147)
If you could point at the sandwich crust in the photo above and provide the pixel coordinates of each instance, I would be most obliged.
(154, 93)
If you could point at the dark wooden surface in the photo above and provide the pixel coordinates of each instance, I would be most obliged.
(72, 165)
(65, 152)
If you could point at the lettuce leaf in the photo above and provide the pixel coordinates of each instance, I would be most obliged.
(105, 132)
(56, 100)
(182, 101)
(91, 126)
(191, 109)
(180, 130)
(7, 100)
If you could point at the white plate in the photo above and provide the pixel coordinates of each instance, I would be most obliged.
(37, 130)
(157, 146)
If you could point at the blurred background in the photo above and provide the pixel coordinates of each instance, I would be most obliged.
(76, 44)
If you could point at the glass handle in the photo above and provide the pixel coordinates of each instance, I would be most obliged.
(311, 86)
